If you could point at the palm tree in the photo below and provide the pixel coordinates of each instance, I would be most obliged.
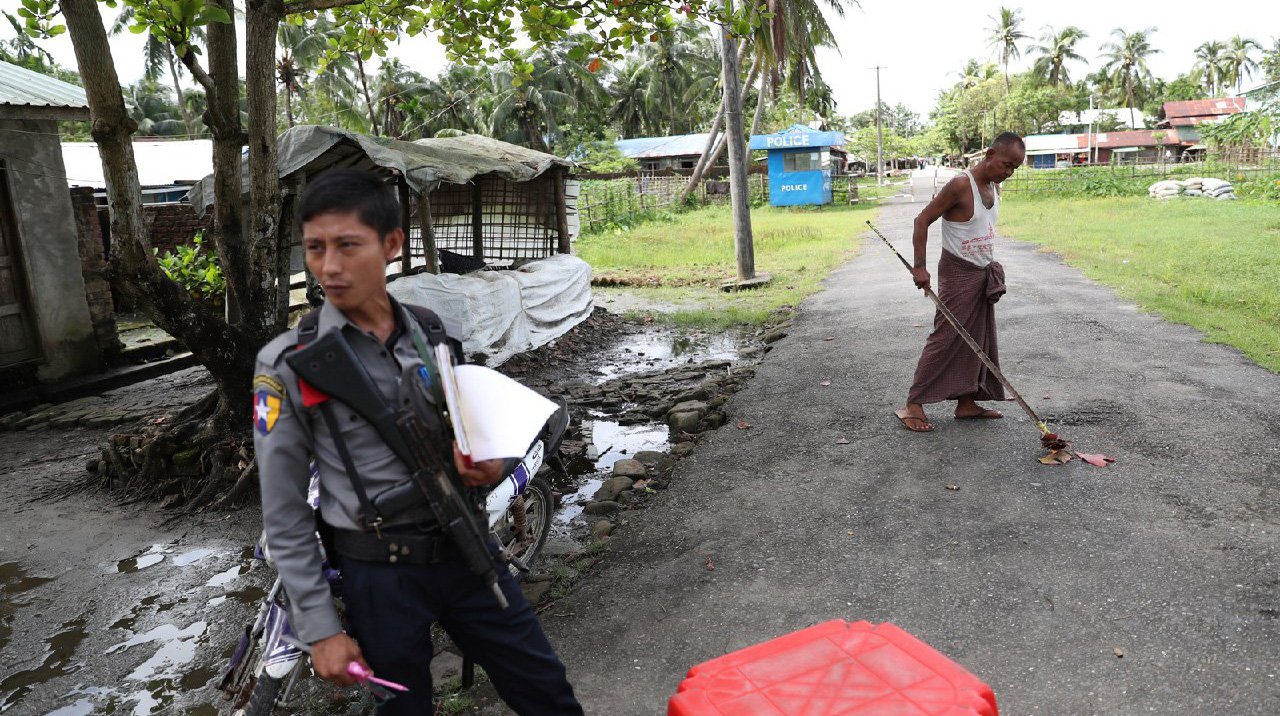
(1127, 61)
(975, 73)
(1210, 66)
(1271, 61)
(1057, 48)
(1005, 35)
(148, 104)
(158, 56)
(1238, 60)
(301, 47)
(524, 112)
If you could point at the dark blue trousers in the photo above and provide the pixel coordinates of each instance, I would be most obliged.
(391, 608)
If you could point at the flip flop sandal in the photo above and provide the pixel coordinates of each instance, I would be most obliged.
(986, 414)
(925, 425)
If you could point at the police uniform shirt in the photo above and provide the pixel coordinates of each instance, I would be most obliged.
(286, 437)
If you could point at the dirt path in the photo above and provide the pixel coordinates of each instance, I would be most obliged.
(1149, 586)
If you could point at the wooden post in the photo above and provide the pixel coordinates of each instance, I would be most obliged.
(406, 222)
(428, 233)
(558, 179)
(477, 221)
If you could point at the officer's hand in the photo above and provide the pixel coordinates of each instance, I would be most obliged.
(330, 656)
(921, 276)
(477, 474)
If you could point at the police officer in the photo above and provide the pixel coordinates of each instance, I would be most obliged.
(400, 574)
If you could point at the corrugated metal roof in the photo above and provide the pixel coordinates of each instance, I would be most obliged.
(159, 162)
(1053, 143)
(22, 87)
(1203, 107)
(1140, 138)
(682, 145)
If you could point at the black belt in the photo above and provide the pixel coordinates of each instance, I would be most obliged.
(407, 547)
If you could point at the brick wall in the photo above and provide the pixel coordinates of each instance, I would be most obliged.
(93, 266)
(173, 224)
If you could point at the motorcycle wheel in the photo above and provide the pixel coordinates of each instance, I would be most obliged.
(263, 700)
(537, 511)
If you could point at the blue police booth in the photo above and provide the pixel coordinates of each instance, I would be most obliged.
(799, 164)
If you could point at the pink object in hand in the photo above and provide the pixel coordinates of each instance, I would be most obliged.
(357, 670)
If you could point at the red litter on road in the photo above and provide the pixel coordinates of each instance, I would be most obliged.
(837, 667)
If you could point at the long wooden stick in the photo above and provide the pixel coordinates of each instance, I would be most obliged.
(955, 323)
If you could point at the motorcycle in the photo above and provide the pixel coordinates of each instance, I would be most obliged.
(268, 660)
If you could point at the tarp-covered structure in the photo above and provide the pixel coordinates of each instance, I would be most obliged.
(473, 195)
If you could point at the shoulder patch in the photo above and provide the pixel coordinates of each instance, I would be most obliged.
(268, 382)
(266, 409)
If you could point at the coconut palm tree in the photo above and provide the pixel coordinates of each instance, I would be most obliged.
(158, 57)
(1127, 61)
(524, 112)
(1056, 49)
(1271, 61)
(1239, 60)
(149, 105)
(301, 47)
(1210, 66)
(1005, 35)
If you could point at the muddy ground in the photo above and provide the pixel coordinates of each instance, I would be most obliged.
(119, 608)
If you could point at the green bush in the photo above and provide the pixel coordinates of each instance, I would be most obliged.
(196, 269)
(1265, 188)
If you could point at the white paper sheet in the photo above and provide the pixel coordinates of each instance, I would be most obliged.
(501, 417)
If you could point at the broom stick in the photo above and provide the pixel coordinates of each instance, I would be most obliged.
(982, 355)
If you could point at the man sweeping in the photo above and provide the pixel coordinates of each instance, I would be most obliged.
(970, 282)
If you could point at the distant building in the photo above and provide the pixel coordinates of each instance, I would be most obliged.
(1194, 112)
(655, 153)
(1047, 151)
(1082, 121)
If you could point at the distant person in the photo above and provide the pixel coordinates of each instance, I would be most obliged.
(970, 281)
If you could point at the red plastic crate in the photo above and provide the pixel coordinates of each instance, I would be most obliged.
(834, 668)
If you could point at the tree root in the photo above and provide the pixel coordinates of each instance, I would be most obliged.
(190, 461)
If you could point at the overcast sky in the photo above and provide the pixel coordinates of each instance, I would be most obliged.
(921, 44)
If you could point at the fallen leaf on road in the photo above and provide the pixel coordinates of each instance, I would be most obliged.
(825, 382)
(953, 487)
(743, 425)
(829, 338)
(640, 484)
(1056, 457)
(849, 532)
(1118, 652)
(711, 567)
(841, 441)
(917, 325)
(1095, 459)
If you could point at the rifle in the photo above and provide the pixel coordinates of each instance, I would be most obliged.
(329, 366)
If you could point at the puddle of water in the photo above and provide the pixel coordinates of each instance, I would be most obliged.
(14, 580)
(151, 557)
(656, 350)
(571, 505)
(58, 662)
(160, 672)
(616, 442)
(83, 707)
(222, 579)
(192, 557)
(248, 595)
(127, 621)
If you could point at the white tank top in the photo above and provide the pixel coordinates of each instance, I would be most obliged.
(974, 240)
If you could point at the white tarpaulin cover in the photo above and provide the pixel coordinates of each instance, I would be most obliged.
(502, 313)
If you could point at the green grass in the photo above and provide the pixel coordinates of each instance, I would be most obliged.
(682, 261)
(1209, 264)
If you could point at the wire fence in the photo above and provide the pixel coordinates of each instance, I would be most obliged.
(1242, 166)
(609, 201)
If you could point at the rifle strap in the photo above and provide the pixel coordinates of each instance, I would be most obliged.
(308, 329)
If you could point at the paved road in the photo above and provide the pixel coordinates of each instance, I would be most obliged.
(1030, 576)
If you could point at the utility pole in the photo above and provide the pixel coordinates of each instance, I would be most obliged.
(879, 132)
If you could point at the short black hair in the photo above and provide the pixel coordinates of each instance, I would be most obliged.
(1008, 139)
(352, 191)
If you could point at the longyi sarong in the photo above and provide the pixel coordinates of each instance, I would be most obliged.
(948, 368)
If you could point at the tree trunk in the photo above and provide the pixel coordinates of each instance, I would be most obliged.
(368, 100)
(739, 198)
(133, 267)
(177, 88)
(288, 102)
(261, 319)
(760, 100)
(715, 141)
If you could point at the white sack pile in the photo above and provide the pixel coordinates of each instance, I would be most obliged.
(1212, 188)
